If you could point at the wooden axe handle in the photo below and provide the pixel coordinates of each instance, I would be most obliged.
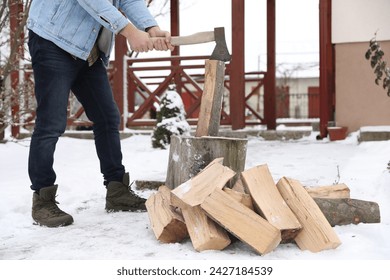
(196, 38)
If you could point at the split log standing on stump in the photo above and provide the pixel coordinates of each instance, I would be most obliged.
(211, 105)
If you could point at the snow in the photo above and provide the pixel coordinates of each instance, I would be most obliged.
(375, 128)
(97, 235)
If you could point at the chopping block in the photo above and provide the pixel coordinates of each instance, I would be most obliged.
(189, 155)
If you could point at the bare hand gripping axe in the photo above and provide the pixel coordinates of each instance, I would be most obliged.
(220, 51)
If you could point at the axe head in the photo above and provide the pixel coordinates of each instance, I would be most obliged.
(220, 51)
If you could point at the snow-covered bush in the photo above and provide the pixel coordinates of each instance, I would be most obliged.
(171, 120)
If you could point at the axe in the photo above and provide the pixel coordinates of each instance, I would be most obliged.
(220, 51)
(211, 102)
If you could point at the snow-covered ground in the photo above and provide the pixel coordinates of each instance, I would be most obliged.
(97, 235)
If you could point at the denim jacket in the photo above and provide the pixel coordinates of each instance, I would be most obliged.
(73, 25)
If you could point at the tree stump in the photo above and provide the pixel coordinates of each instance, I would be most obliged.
(189, 155)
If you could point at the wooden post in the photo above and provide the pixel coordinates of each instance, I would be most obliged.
(175, 31)
(118, 82)
(15, 11)
(327, 72)
(270, 77)
(211, 103)
(237, 66)
(175, 23)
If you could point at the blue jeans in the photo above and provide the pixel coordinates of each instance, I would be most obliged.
(56, 73)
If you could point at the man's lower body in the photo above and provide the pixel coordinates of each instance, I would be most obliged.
(56, 73)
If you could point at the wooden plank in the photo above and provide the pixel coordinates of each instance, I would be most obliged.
(269, 203)
(167, 224)
(194, 191)
(242, 222)
(333, 191)
(204, 233)
(345, 211)
(211, 103)
(316, 234)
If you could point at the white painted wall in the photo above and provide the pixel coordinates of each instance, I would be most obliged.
(358, 20)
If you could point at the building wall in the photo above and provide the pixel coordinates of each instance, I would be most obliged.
(359, 101)
(358, 20)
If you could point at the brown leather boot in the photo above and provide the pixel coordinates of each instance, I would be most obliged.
(45, 211)
(120, 197)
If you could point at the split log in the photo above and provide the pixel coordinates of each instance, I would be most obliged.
(333, 191)
(242, 222)
(241, 197)
(167, 224)
(269, 203)
(189, 155)
(204, 233)
(239, 185)
(217, 160)
(316, 234)
(211, 102)
(344, 211)
(194, 191)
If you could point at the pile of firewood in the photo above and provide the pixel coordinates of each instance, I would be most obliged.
(257, 211)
